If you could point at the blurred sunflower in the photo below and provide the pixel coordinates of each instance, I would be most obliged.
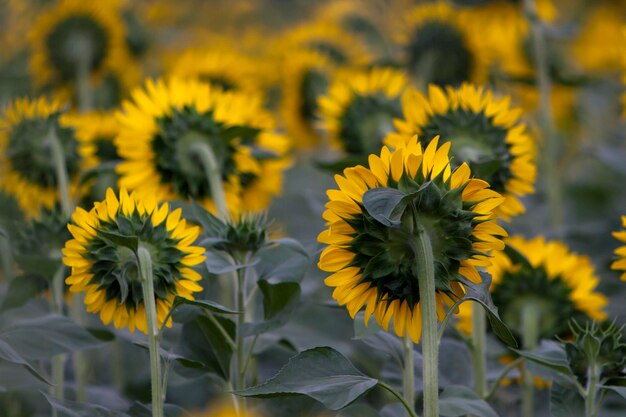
(226, 69)
(223, 410)
(73, 36)
(547, 277)
(620, 263)
(108, 273)
(27, 167)
(165, 120)
(372, 264)
(359, 108)
(441, 47)
(485, 132)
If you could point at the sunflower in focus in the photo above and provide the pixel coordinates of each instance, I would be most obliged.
(485, 132)
(620, 263)
(73, 34)
(546, 276)
(108, 273)
(27, 168)
(441, 47)
(359, 108)
(372, 264)
(163, 121)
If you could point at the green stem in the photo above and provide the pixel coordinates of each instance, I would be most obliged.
(58, 361)
(81, 365)
(408, 373)
(592, 390)
(145, 266)
(221, 329)
(213, 174)
(240, 352)
(503, 375)
(546, 120)
(407, 407)
(83, 89)
(530, 336)
(60, 165)
(425, 269)
(6, 258)
(479, 360)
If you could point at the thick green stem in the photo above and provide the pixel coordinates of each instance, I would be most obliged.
(479, 360)
(530, 335)
(407, 407)
(408, 373)
(546, 120)
(240, 353)
(593, 379)
(425, 269)
(81, 365)
(60, 166)
(58, 361)
(145, 266)
(213, 174)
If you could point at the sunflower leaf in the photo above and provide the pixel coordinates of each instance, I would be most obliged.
(279, 301)
(130, 242)
(173, 357)
(204, 304)
(66, 408)
(321, 373)
(9, 354)
(565, 401)
(457, 400)
(549, 354)
(384, 205)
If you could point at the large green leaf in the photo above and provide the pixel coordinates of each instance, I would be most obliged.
(23, 288)
(566, 402)
(66, 408)
(549, 354)
(222, 350)
(321, 373)
(211, 225)
(279, 301)
(9, 354)
(130, 242)
(384, 204)
(282, 262)
(217, 263)
(45, 336)
(619, 390)
(458, 400)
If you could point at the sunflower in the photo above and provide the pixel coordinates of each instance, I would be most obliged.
(360, 106)
(165, 119)
(620, 263)
(442, 47)
(221, 68)
(27, 169)
(545, 275)
(372, 264)
(108, 273)
(306, 77)
(485, 133)
(71, 31)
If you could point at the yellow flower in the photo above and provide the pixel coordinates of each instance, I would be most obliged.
(27, 169)
(442, 47)
(70, 30)
(164, 119)
(620, 263)
(224, 410)
(560, 283)
(108, 273)
(485, 132)
(372, 264)
(360, 106)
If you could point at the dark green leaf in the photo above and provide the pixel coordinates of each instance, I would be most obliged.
(566, 402)
(321, 373)
(358, 410)
(283, 262)
(66, 408)
(458, 400)
(549, 354)
(39, 265)
(45, 336)
(383, 205)
(214, 338)
(130, 242)
(9, 354)
(23, 288)
(619, 390)
(242, 132)
(204, 304)
(217, 263)
(279, 301)
(173, 357)
(211, 225)
(102, 334)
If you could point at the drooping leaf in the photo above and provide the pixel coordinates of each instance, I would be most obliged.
(222, 350)
(172, 357)
(45, 336)
(566, 402)
(284, 262)
(211, 225)
(321, 373)
(66, 408)
(204, 304)
(549, 354)
(619, 390)
(217, 263)
(383, 205)
(458, 400)
(279, 301)
(130, 242)
(9, 354)
(23, 288)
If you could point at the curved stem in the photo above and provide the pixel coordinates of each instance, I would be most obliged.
(503, 375)
(530, 335)
(425, 271)
(145, 267)
(393, 392)
(213, 174)
(408, 373)
(479, 360)
(546, 120)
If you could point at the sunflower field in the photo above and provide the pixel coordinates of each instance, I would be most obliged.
(312, 208)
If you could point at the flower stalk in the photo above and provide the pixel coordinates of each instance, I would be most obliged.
(58, 361)
(240, 353)
(408, 373)
(213, 175)
(479, 331)
(83, 89)
(593, 380)
(530, 336)
(425, 269)
(146, 270)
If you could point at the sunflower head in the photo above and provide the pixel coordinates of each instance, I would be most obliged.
(373, 262)
(165, 121)
(600, 345)
(108, 273)
(484, 131)
(27, 169)
(441, 47)
(547, 277)
(74, 33)
(620, 263)
(359, 108)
